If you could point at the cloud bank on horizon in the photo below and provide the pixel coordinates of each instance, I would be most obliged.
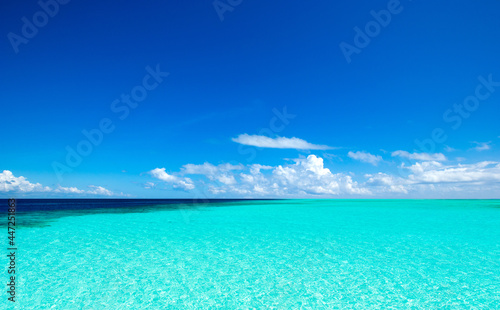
(10, 184)
(308, 177)
(421, 175)
(417, 175)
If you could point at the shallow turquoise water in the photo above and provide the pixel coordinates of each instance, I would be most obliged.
(292, 254)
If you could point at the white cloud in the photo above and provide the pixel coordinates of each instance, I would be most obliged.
(99, 190)
(303, 177)
(387, 183)
(227, 179)
(482, 146)
(20, 185)
(308, 177)
(365, 157)
(11, 183)
(68, 190)
(420, 156)
(221, 173)
(185, 183)
(434, 172)
(278, 142)
(256, 168)
(432, 176)
(93, 191)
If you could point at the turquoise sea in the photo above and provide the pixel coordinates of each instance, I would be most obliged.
(277, 254)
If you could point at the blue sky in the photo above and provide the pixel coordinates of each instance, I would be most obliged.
(260, 100)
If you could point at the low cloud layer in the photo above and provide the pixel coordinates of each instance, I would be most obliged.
(308, 177)
(414, 175)
(11, 184)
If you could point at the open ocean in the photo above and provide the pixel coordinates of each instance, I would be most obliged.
(281, 254)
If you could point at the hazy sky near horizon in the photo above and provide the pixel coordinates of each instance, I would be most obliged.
(237, 98)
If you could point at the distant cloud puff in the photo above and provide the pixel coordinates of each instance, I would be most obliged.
(99, 190)
(68, 190)
(365, 157)
(420, 156)
(219, 173)
(449, 149)
(209, 169)
(160, 174)
(482, 146)
(278, 142)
